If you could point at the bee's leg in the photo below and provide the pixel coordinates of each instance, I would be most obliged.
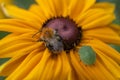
(39, 40)
(35, 34)
(49, 46)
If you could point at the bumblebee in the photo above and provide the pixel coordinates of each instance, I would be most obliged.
(52, 40)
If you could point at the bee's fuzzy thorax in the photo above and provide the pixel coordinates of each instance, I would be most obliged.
(47, 33)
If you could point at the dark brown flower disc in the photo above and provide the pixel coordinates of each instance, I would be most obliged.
(67, 30)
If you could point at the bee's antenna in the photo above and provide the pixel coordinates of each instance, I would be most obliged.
(35, 34)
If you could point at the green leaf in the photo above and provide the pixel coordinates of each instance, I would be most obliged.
(116, 47)
(24, 3)
(87, 55)
(2, 78)
(117, 10)
(3, 34)
(3, 60)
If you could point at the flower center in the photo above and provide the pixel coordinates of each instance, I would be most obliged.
(67, 29)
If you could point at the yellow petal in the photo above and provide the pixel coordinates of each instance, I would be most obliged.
(88, 4)
(53, 8)
(16, 12)
(20, 52)
(97, 14)
(13, 28)
(106, 49)
(92, 72)
(10, 40)
(65, 4)
(105, 34)
(90, 13)
(94, 17)
(1, 11)
(48, 71)
(19, 24)
(109, 7)
(80, 73)
(57, 68)
(98, 69)
(11, 51)
(66, 68)
(6, 1)
(110, 64)
(77, 7)
(105, 73)
(36, 10)
(116, 28)
(36, 73)
(1, 14)
(26, 66)
(21, 44)
(101, 21)
(7, 68)
(46, 8)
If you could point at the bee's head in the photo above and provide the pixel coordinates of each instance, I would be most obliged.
(47, 33)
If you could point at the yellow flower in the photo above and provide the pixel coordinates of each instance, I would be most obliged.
(32, 60)
(6, 2)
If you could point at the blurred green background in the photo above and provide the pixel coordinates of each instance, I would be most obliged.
(26, 3)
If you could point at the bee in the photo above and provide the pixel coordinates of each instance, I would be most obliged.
(52, 40)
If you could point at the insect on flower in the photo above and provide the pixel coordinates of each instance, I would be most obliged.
(87, 55)
(52, 40)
